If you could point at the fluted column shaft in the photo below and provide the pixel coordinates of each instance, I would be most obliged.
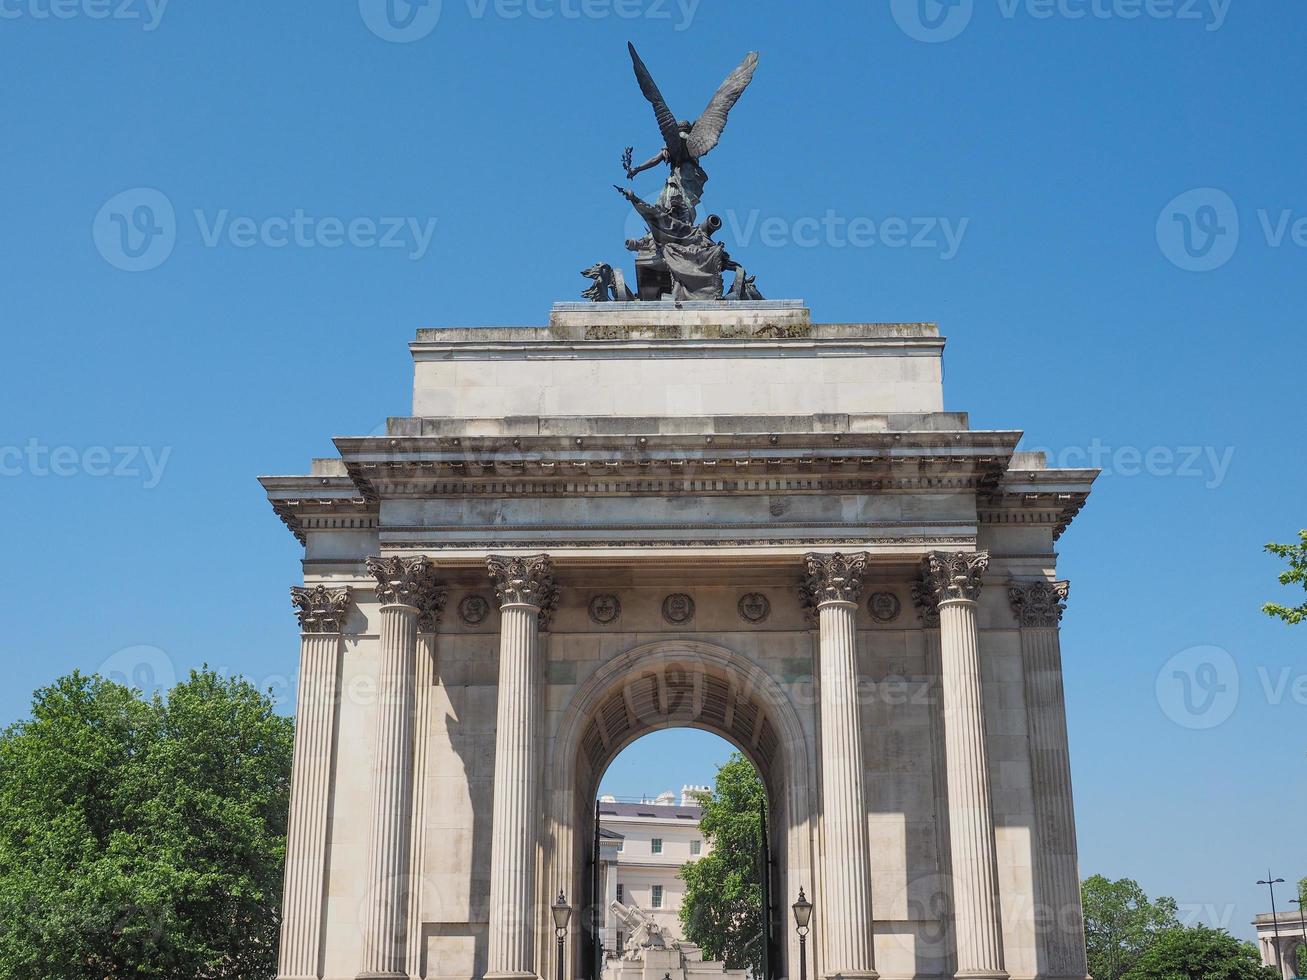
(513, 844)
(410, 601)
(385, 923)
(977, 924)
(526, 593)
(306, 834)
(1060, 926)
(831, 588)
(846, 904)
(321, 612)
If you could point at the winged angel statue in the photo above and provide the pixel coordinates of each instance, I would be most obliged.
(679, 256)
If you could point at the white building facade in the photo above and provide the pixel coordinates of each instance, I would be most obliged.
(643, 847)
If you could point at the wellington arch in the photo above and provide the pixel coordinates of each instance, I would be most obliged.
(659, 514)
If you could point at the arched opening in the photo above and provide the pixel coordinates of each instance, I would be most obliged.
(679, 684)
(662, 877)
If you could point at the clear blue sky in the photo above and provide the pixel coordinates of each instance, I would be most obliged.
(1052, 146)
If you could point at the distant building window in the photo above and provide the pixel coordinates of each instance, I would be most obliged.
(620, 893)
(621, 941)
(656, 845)
(696, 847)
(657, 900)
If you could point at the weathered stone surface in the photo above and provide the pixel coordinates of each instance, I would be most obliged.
(710, 465)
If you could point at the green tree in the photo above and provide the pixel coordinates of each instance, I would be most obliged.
(1121, 923)
(143, 837)
(1200, 953)
(1296, 574)
(722, 909)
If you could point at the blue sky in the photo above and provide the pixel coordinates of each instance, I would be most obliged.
(1019, 173)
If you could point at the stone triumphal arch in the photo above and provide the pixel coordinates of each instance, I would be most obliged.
(650, 515)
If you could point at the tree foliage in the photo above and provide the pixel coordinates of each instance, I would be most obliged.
(1296, 574)
(1199, 953)
(722, 909)
(143, 837)
(1121, 924)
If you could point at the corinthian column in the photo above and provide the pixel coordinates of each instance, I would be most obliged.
(954, 580)
(831, 588)
(321, 613)
(1060, 925)
(407, 590)
(527, 595)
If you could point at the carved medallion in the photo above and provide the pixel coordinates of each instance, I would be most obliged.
(678, 609)
(884, 606)
(754, 607)
(474, 609)
(605, 609)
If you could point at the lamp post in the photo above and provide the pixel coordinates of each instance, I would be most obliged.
(1302, 922)
(1275, 919)
(562, 915)
(802, 915)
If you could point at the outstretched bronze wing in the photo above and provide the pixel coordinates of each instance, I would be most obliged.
(708, 129)
(666, 120)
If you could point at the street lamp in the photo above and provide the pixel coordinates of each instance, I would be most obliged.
(1302, 922)
(1275, 919)
(802, 915)
(562, 915)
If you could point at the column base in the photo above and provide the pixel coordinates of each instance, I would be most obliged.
(511, 975)
(381, 976)
(853, 975)
(981, 975)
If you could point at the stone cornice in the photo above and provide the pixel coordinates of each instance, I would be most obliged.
(950, 576)
(1037, 496)
(320, 609)
(1038, 604)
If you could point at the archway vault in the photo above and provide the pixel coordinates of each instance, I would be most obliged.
(680, 684)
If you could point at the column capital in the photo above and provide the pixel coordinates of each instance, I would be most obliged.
(951, 575)
(525, 580)
(1038, 604)
(923, 597)
(831, 578)
(320, 609)
(408, 582)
